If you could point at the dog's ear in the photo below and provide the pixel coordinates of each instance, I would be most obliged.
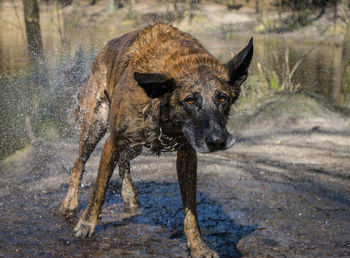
(238, 67)
(155, 84)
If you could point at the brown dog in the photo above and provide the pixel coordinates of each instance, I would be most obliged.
(160, 88)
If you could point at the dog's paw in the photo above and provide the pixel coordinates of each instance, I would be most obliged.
(84, 228)
(204, 252)
(132, 208)
(68, 205)
(65, 210)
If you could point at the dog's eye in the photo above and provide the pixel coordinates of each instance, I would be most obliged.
(190, 100)
(222, 98)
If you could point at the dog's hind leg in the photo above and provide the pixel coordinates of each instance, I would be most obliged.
(131, 201)
(186, 165)
(90, 136)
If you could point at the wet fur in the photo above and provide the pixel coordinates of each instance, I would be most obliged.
(136, 89)
(156, 49)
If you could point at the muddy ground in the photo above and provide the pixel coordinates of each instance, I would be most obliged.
(282, 191)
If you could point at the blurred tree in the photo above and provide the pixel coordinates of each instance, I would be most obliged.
(346, 54)
(110, 6)
(189, 7)
(33, 32)
(188, 10)
(60, 22)
(36, 54)
(177, 13)
(131, 12)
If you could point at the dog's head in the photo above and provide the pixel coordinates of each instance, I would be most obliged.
(199, 100)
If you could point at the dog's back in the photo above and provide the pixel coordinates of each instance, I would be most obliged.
(158, 48)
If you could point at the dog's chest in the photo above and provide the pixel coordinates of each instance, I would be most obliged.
(166, 143)
(160, 136)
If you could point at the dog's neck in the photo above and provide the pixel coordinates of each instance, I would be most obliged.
(166, 124)
(166, 135)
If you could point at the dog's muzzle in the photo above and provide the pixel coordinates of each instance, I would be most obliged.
(219, 140)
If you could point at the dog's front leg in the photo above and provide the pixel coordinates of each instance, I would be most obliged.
(186, 165)
(109, 158)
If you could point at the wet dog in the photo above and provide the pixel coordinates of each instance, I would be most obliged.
(156, 87)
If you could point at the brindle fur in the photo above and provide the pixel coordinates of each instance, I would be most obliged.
(156, 87)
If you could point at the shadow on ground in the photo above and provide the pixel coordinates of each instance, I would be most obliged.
(161, 206)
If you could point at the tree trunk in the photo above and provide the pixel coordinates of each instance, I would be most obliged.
(337, 12)
(189, 9)
(280, 11)
(39, 75)
(346, 64)
(346, 55)
(110, 7)
(33, 32)
(336, 88)
(132, 12)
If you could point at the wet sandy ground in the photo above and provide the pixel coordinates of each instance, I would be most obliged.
(282, 191)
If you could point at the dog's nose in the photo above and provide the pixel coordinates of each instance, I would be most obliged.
(216, 141)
